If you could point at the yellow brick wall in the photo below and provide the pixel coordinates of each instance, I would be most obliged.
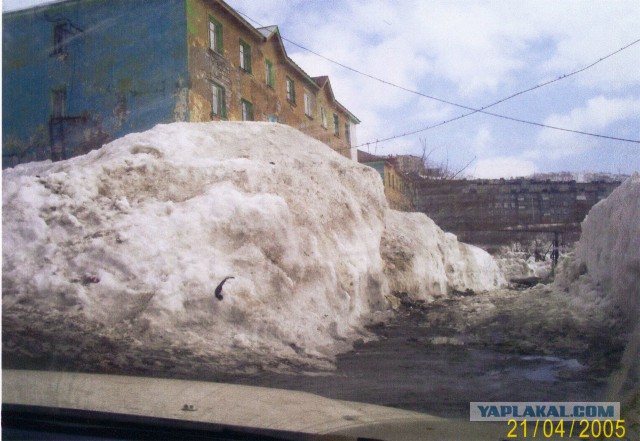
(224, 69)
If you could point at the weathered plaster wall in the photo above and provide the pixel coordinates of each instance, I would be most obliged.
(206, 65)
(396, 188)
(131, 64)
(326, 134)
(123, 69)
(269, 103)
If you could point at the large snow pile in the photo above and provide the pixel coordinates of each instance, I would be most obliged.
(425, 262)
(137, 235)
(605, 267)
(605, 272)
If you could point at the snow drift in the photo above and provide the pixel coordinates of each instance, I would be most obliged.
(519, 265)
(425, 262)
(605, 272)
(605, 267)
(137, 235)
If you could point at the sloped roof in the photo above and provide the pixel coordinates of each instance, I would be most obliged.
(324, 83)
(239, 17)
(272, 32)
(364, 157)
(267, 31)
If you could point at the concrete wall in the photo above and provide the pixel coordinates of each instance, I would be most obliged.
(122, 68)
(495, 212)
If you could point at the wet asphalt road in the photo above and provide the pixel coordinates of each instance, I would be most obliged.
(404, 369)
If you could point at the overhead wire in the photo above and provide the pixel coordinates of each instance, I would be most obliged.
(482, 109)
(471, 109)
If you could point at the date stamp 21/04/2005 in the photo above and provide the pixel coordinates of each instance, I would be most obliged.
(566, 429)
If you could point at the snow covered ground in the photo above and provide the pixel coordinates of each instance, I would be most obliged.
(130, 241)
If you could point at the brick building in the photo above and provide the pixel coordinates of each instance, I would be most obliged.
(496, 212)
(491, 212)
(398, 186)
(78, 73)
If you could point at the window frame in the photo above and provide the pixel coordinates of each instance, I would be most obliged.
(59, 102)
(61, 33)
(215, 36)
(245, 56)
(347, 133)
(336, 125)
(247, 110)
(270, 77)
(218, 92)
(308, 103)
(323, 117)
(291, 90)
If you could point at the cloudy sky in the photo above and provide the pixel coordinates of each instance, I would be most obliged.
(474, 53)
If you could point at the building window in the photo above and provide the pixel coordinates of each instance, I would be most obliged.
(58, 103)
(270, 78)
(61, 34)
(218, 107)
(347, 133)
(245, 56)
(247, 111)
(323, 117)
(308, 104)
(336, 125)
(291, 91)
(215, 35)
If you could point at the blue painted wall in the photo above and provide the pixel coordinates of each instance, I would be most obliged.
(124, 69)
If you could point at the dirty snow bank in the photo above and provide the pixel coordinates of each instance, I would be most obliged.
(425, 262)
(520, 265)
(605, 273)
(137, 235)
(605, 267)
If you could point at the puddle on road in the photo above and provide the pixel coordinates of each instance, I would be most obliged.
(550, 369)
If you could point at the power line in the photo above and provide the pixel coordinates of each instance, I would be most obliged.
(472, 109)
(481, 110)
(562, 77)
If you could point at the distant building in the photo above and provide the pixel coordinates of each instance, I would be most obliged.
(494, 212)
(398, 185)
(491, 212)
(79, 73)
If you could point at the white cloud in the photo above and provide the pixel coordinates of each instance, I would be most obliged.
(502, 167)
(596, 116)
(610, 25)
(483, 142)
(598, 113)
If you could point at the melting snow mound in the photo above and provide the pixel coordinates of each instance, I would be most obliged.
(605, 267)
(137, 235)
(425, 262)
